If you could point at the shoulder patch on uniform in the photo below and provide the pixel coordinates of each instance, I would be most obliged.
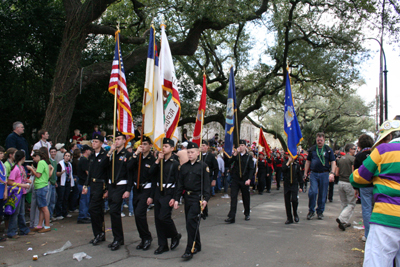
(207, 169)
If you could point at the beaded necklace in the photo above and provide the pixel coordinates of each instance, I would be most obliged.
(321, 156)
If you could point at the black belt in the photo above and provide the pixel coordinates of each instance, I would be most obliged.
(190, 193)
(320, 172)
(95, 180)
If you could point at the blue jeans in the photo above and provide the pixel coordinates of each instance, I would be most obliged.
(218, 184)
(83, 203)
(366, 196)
(52, 203)
(319, 183)
(17, 220)
(41, 194)
(129, 202)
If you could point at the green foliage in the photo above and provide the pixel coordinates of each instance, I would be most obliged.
(30, 37)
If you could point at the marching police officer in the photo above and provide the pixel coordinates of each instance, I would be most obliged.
(195, 181)
(162, 194)
(118, 189)
(99, 163)
(241, 177)
(142, 193)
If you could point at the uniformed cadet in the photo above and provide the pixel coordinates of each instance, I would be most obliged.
(262, 171)
(241, 178)
(142, 195)
(119, 189)
(194, 179)
(212, 164)
(99, 163)
(164, 199)
(291, 179)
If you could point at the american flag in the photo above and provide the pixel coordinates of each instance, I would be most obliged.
(118, 83)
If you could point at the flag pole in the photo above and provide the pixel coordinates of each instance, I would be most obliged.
(238, 139)
(162, 161)
(201, 181)
(115, 103)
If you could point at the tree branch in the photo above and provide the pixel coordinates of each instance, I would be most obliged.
(107, 30)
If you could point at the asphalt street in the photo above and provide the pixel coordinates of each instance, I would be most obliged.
(263, 241)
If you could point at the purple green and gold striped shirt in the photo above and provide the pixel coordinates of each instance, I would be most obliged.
(382, 169)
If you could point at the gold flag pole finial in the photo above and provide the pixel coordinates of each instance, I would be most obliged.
(163, 22)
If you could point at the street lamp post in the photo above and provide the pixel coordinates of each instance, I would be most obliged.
(385, 71)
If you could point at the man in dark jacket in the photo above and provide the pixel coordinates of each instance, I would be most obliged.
(16, 140)
(242, 172)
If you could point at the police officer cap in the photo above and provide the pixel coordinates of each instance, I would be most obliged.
(118, 133)
(98, 137)
(192, 145)
(146, 139)
(242, 142)
(168, 141)
(204, 142)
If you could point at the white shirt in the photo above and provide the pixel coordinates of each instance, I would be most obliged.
(40, 144)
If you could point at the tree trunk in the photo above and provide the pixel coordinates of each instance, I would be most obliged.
(66, 82)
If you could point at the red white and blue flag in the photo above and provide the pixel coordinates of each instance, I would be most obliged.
(118, 85)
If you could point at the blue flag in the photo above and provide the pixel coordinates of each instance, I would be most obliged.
(292, 127)
(230, 115)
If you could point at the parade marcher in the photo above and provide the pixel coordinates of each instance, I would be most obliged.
(302, 163)
(241, 177)
(99, 164)
(212, 164)
(195, 182)
(321, 162)
(82, 172)
(118, 189)
(382, 169)
(278, 170)
(141, 196)
(262, 171)
(291, 179)
(164, 199)
(344, 168)
(268, 180)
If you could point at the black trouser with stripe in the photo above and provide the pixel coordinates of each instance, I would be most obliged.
(192, 211)
(291, 200)
(96, 207)
(236, 185)
(115, 193)
(165, 226)
(139, 202)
